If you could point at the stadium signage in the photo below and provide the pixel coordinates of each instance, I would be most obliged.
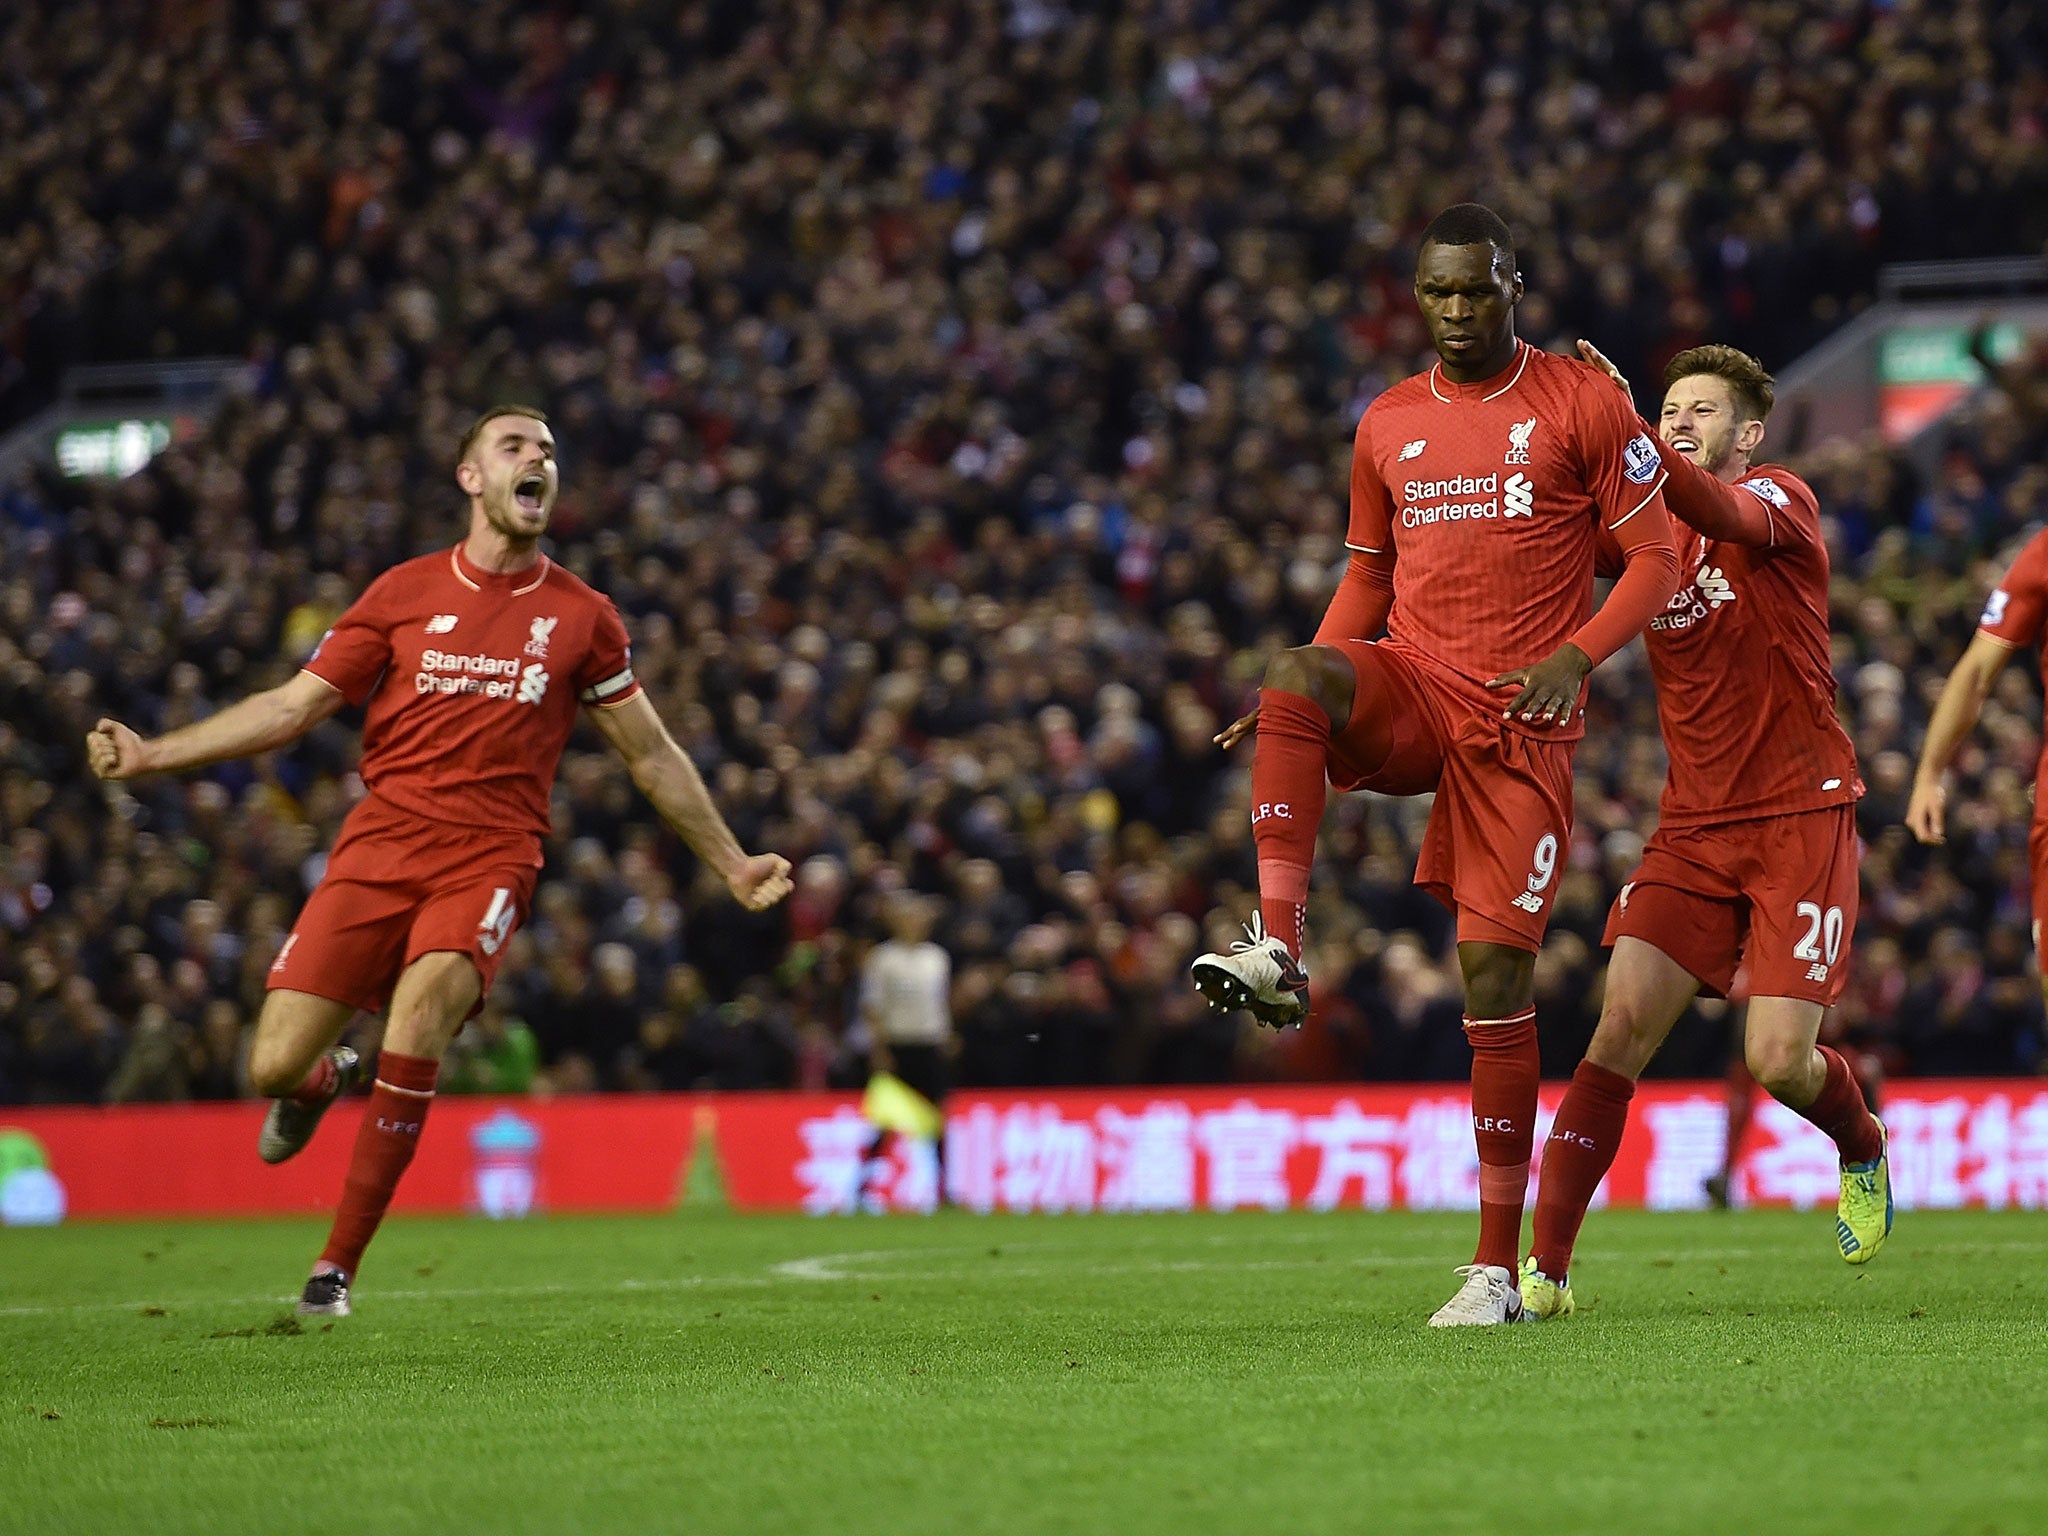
(1376, 1147)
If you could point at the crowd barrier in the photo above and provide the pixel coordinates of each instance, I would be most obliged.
(1953, 1143)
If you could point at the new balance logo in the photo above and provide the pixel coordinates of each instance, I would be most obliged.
(1518, 496)
(1626, 892)
(1714, 586)
(1816, 972)
(284, 952)
(1529, 901)
(533, 684)
(1414, 450)
(440, 623)
(1518, 441)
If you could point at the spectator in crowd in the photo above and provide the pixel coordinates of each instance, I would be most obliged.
(960, 399)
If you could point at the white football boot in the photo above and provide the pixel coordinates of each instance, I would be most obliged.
(1258, 975)
(1487, 1297)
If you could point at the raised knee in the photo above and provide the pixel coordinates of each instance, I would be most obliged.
(1778, 1066)
(1315, 672)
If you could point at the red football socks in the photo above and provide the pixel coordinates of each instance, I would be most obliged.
(1842, 1113)
(384, 1146)
(317, 1087)
(1741, 1109)
(1583, 1140)
(1505, 1069)
(1289, 783)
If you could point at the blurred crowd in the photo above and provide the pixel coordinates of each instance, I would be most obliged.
(956, 399)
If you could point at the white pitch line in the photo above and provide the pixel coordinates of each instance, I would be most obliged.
(830, 1267)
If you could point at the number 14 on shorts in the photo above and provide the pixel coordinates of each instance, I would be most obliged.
(497, 922)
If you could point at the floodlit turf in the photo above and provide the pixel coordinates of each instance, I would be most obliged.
(1246, 1373)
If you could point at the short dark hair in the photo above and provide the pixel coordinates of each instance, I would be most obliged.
(1745, 376)
(1470, 224)
(476, 428)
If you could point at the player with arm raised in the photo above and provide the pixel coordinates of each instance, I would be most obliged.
(1754, 861)
(1477, 491)
(2015, 616)
(473, 662)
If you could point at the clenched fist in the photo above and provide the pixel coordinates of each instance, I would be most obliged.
(760, 882)
(115, 752)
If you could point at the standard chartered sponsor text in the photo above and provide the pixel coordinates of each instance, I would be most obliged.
(449, 672)
(1445, 508)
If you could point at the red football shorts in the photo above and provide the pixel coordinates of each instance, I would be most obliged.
(2037, 861)
(1502, 820)
(1776, 895)
(397, 887)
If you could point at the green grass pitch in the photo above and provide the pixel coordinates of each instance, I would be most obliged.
(1247, 1373)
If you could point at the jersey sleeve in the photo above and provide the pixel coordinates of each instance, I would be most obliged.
(1706, 503)
(607, 674)
(2018, 606)
(352, 656)
(1624, 473)
(1364, 598)
(1790, 507)
(1372, 508)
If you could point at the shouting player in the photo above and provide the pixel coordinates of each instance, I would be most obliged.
(1477, 491)
(1753, 862)
(2014, 616)
(473, 661)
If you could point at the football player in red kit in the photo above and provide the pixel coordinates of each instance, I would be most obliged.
(1477, 492)
(2015, 617)
(1754, 861)
(473, 663)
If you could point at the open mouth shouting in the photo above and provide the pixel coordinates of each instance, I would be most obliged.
(1684, 441)
(530, 491)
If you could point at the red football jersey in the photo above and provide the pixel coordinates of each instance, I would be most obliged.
(2016, 613)
(473, 681)
(1489, 496)
(1745, 683)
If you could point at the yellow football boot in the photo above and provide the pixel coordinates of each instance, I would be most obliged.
(1543, 1298)
(1863, 1218)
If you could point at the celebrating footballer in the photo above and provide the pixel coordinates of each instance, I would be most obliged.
(1754, 861)
(472, 664)
(1480, 491)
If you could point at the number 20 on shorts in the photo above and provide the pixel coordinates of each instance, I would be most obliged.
(1823, 939)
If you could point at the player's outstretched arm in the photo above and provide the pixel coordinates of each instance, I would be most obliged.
(669, 780)
(1955, 716)
(1697, 497)
(259, 723)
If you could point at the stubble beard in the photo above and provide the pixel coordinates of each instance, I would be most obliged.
(504, 515)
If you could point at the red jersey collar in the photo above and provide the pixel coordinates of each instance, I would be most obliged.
(1448, 390)
(516, 583)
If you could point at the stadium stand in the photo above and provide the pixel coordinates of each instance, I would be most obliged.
(956, 399)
